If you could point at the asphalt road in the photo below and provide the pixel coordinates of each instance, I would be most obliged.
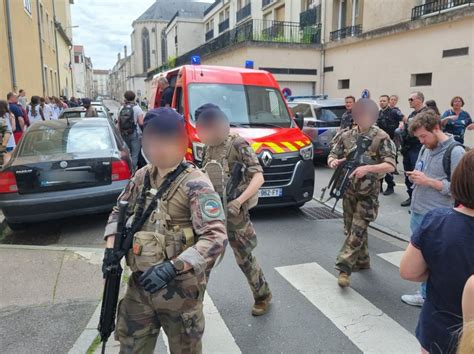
(297, 250)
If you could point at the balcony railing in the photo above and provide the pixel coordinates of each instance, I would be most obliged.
(223, 25)
(209, 35)
(436, 7)
(266, 2)
(345, 32)
(244, 12)
(310, 17)
(255, 31)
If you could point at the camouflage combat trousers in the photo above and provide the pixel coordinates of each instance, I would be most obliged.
(359, 211)
(177, 308)
(243, 239)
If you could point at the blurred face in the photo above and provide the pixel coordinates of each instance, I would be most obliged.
(14, 99)
(213, 133)
(364, 117)
(457, 104)
(414, 101)
(393, 101)
(164, 151)
(349, 103)
(428, 139)
(383, 102)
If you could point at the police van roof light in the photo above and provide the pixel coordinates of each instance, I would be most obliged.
(196, 60)
(249, 64)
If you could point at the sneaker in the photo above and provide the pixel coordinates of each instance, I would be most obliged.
(344, 280)
(389, 190)
(406, 203)
(261, 306)
(413, 300)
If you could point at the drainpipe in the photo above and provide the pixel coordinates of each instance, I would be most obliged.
(323, 50)
(10, 45)
(41, 46)
(56, 46)
(71, 68)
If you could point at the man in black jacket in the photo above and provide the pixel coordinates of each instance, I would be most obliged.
(389, 119)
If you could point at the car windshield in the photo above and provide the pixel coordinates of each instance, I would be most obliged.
(330, 114)
(243, 105)
(72, 140)
(81, 114)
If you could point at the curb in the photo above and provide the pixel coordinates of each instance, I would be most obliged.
(373, 225)
(89, 334)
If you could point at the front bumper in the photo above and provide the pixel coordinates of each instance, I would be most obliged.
(299, 191)
(34, 207)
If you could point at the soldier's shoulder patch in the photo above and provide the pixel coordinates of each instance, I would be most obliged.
(211, 207)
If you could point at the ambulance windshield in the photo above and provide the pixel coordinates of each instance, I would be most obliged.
(247, 106)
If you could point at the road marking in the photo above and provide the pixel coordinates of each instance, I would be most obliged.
(368, 327)
(392, 257)
(217, 338)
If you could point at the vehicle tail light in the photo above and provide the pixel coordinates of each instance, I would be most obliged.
(120, 170)
(8, 182)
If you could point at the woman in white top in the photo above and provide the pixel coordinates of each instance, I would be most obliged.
(57, 107)
(35, 112)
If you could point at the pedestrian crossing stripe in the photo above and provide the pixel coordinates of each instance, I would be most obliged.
(368, 327)
(392, 257)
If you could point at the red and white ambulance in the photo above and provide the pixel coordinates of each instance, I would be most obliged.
(253, 102)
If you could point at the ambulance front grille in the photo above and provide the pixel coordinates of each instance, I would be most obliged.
(280, 170)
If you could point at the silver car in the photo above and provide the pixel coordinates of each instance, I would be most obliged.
(322, 118)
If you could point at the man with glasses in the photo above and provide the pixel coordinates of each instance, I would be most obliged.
(410, 144)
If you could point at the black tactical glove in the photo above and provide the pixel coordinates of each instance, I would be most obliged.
(109, 258)
(158, 277)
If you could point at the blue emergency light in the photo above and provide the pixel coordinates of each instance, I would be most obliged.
(249, 64)
(196, 60)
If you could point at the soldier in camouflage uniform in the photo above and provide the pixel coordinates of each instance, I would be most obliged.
(174, 249)
(225, 150)
(360, 202)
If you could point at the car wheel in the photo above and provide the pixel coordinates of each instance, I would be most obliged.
(16, 226)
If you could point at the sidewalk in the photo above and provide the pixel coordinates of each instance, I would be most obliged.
(48, 296)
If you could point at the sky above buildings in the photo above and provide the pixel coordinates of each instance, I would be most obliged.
(105, 27)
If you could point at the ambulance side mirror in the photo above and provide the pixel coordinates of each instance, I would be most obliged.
(299, 120)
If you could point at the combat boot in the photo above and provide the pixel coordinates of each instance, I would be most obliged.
(261, 306)
(360, 266)
(344, 280)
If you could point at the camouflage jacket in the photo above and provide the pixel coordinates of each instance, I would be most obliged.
(381, 150)
(193, 203)
(234, 149)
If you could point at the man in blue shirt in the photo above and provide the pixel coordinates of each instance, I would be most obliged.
(19, 116)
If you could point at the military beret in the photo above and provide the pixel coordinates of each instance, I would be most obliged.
(164, 121)
(209, 112)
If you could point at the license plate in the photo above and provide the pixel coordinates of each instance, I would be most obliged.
(270, 192)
